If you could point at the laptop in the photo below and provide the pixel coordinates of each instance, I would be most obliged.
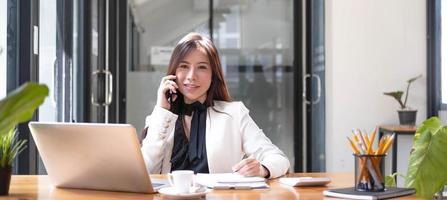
(93, 156)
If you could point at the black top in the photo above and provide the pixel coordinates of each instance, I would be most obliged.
(190, 155)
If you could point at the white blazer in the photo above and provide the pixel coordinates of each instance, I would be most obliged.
(230, 134)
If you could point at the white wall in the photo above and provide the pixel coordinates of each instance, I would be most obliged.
(372, 46)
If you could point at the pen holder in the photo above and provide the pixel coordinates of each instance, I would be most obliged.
(369, 175)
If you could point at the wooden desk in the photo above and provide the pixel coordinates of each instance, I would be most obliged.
(39, 187)
(398, 130)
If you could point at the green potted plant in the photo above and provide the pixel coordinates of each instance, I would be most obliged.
(17, 107)
(407, 115)
(428, 160)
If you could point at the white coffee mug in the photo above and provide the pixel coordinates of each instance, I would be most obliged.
(182, 180)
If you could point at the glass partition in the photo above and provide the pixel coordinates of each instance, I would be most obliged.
(255, 40)
(443, 51)
(3, 28)
(47, 58)
(55, 66)
(158, 26)
(48, 64)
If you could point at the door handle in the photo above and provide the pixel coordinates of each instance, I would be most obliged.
(109, 83)
(55, 82)
(317, 100)
(102, 81)
(305, 89)
(318, 88)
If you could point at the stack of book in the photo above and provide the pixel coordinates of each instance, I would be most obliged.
(369, 177)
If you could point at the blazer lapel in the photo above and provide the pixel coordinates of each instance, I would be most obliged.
(208, 140)
(219, 143)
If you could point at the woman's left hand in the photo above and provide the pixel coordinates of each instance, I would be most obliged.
(250, 167)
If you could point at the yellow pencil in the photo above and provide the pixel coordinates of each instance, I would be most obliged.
(355, 137)
(367, 141)
(388, 144)
(362, 141)
(362, 161)
(372, 141)
(354, 148)
(385, 143)
(379, 147)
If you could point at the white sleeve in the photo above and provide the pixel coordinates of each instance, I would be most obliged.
(160, 124)
(255, 140)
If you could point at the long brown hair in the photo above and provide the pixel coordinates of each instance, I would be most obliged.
(218, 89)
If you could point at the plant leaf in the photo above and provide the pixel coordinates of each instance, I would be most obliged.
(20, 104)
(396, 95)
(390, 181)
(414, 78)
(426, 170)
(10, 147)
(430, 125)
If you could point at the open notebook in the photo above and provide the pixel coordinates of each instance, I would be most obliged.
(226, 181)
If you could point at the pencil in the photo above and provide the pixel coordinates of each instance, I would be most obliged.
(380, 146)
(363, 171)
(388, 144)
(361, 142)
(354, 148)
(363, 161)
(354, 136)
(370, 149)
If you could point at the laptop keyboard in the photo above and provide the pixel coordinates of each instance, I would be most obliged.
(155, 185)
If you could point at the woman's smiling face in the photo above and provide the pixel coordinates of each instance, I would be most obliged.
(194, 76)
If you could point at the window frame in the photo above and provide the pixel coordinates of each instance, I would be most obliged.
(434, 96)
(22, 66)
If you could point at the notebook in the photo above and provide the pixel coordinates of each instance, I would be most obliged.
(305, 181)
(225, 181)
(351, 193)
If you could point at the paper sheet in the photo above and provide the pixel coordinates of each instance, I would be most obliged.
(230, 181)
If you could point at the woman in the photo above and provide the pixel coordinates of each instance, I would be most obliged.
(196, 126)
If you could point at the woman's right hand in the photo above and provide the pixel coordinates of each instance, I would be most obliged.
(167, 84)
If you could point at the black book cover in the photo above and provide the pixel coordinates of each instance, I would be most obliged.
(353, 194)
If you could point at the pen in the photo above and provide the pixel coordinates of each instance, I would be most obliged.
(231, 187)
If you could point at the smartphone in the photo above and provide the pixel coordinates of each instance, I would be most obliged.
(169, 96)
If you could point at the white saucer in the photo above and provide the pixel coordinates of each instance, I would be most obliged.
(172, 193)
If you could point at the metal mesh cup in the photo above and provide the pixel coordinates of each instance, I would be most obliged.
(369, 174)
